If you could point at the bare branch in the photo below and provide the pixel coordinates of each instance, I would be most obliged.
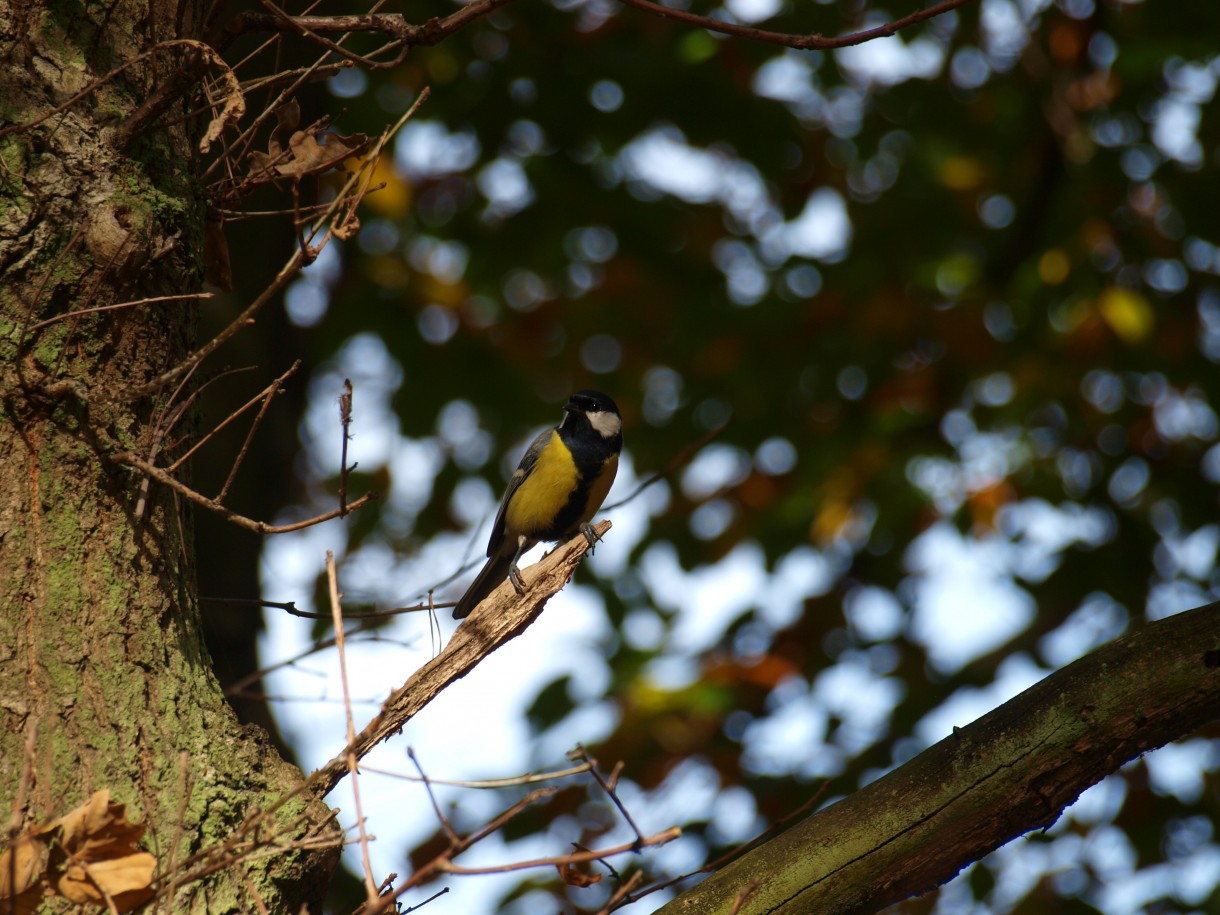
(576, 857)
(429, 33)
(800, 42)
(609, 785)
(486, 783)
(364, 60)
(258, 527)
(501, 617)
(345, 422)
(99, 308)
(1013, 770)
(336, 610)
(264, 396)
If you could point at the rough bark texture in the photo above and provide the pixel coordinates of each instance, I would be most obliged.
(1012, 771)
(104, 682)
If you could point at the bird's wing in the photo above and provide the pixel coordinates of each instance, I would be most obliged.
(496, 543)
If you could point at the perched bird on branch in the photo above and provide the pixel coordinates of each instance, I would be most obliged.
(561, 481)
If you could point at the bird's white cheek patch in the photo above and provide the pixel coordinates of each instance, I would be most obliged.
(607, 424)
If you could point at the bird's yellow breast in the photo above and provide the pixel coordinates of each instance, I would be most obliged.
(544, 493)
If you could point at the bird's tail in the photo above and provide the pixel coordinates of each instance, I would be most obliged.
(494, 572)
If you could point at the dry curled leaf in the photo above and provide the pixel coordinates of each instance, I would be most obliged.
(574, 876)
(89, 856)
(309, 151)
(234, 107)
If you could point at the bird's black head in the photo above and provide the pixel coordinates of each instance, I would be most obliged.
(599, 410)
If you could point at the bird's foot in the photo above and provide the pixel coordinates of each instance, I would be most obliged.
(514, 575)
(590, 535)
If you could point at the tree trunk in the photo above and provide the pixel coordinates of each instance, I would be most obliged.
(104, 681)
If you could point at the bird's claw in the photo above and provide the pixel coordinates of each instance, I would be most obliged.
(514, 575)
(591, 536)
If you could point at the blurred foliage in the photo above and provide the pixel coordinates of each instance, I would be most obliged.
(1019, 339)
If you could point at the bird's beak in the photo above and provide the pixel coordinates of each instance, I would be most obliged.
(572, 407)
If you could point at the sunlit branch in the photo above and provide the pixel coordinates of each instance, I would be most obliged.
(503, 616)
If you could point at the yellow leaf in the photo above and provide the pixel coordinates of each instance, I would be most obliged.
(1127, 312)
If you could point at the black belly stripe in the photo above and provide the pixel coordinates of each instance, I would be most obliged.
(589, 454)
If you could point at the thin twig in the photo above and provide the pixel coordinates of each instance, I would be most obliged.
(364, 60)
(263, 395)
(801, 42)
(428, 33)
(291, 608)
(736, 851)
(678, 461)
(486, 783)
(621, 893)
(440, 863)
(450, 832)
(578, 857)
(345, 421)
(608, 785)
(98, 308)
(275, 388)
(259, 527)
(336, 610)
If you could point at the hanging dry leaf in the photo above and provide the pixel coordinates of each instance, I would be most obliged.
(309, 151)
(234, 107)
(573, 876)
(288, 116)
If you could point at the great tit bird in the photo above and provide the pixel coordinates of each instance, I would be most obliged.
(562, 480)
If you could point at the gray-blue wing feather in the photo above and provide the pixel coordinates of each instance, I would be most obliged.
(495, 543)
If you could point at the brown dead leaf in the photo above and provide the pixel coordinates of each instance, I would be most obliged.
(309, 152)
(21, 868)
(88, 855)
(573, 876)
(98, 829)
(124, 881)
(288, 116)
(234, 107)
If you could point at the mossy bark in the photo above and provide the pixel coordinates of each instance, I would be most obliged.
(104, 681)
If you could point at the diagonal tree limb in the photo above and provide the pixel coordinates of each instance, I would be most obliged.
(501, 617)
(1012, 771)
